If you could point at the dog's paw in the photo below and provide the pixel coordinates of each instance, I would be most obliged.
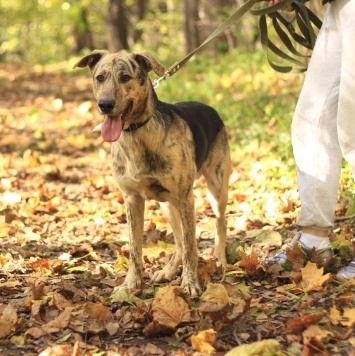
(131, 282)
(166, 274)
(221, 257)
(191, 285)
(170, 271)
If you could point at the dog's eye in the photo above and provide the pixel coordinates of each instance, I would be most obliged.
(100, 78)
(125, 78)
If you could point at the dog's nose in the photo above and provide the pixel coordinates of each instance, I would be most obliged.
(106, 105)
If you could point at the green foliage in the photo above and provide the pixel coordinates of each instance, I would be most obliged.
(42, 31)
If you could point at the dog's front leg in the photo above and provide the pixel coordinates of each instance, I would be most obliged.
(189, 249)
(172, 268)
(135, 219)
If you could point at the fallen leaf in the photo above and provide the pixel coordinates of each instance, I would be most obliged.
(312, 277)
(37, 288)
(124, 295)
(294, 257)
(9, 285)
(34, 333)
(215, 293)
(59, 323)
(214, 299)
(97, 311)
(341, 242)
(169, 309)
(64, 339)
(204, 340)
(40, 267)
(268, 347)
(151, 349)
(5, 229)
(8, 320)
(233, 251)
(152, 250)
(18, 339)
(301, 323)
(335, 315)
(314, 347)
(314, 332)
(112, 328)
(58, 350)
(205, 268)
(349, 314)
(267, 238)
(249, 262)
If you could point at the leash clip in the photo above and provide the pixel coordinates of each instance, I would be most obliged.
(156, 82)
(166, 75)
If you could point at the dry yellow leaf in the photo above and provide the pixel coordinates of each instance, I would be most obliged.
(314, 332)
(203, 341)
(335, 315)
(269, 347)
(215, 293)
(312, 277)
(349, 314)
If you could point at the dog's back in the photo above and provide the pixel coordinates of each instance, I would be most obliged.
(203, 121)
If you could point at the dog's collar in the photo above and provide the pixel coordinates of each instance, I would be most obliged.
(136, 126)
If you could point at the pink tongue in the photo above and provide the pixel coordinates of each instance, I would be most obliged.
(111, 128)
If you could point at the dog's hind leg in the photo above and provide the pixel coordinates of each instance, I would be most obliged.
(172, 268)
(218, 201)
(217, 187)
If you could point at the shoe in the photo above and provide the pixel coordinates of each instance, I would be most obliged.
(346, 272)
(324, 251)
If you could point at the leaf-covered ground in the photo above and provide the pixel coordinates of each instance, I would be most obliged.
(64, 248)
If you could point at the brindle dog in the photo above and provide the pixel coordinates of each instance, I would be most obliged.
(158, 150)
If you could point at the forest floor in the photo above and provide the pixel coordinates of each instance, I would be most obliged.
(63, 249)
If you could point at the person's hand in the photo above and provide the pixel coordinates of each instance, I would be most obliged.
(274, 2)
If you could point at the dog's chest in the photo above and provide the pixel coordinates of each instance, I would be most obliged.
(140, 159)
(153, 173)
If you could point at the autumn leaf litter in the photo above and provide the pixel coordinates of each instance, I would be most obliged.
(63, 239)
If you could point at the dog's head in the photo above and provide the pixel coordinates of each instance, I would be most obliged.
(121, 87)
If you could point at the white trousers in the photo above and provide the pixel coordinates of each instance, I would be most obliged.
(323, 127)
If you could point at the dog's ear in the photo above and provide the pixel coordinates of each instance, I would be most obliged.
(91, 59)
(147, 62)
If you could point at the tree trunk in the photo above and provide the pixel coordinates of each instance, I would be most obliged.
(141, 9)
(117, 32)
(211, 18)
(191, 20)
(82, 34)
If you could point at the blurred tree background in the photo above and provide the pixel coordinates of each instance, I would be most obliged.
(44, 31)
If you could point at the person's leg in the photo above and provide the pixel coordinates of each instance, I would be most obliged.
(315, 143)
(346, 106)
(314, 132)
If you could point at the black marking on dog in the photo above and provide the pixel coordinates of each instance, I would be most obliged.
(156, 187)
(203, 131)
(156, 162)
